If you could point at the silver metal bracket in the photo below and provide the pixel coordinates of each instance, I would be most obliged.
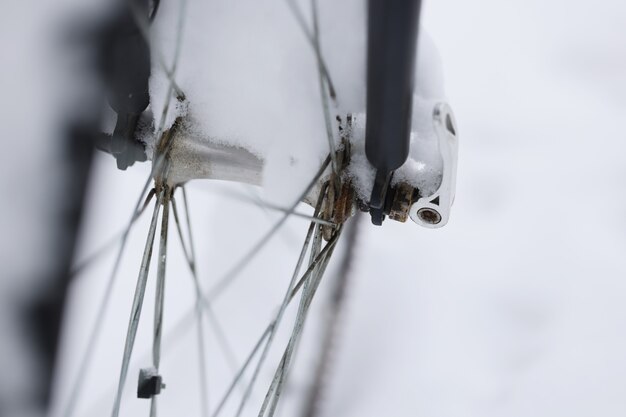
(433, 211)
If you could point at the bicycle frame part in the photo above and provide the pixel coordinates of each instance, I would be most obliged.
(434, 211)
(193, 157)
(391, 49)
(125, 62)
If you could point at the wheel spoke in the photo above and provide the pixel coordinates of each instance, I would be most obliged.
(283, 305)
(172, 72)
(190, 257)
(110, 244)
(160, 298)
(309, 281)
(315, 251)
(313, 219)
(297, 13)
(268, 329)
(228, 278)
(310, 286)
(159, 160)
(202, 372)
(322, 83)
(136, 307)
(332, 321)
(143, 23)
(239, 374)
(258, 202)
(87, 357)
(217, 327)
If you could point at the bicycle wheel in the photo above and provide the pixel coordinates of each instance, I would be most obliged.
(205, 127)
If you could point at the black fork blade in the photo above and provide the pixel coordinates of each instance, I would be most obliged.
(391, 48)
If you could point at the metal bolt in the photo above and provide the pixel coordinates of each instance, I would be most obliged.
(429, 216)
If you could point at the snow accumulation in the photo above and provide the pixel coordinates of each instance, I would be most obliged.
(515, 309)
(249, 73)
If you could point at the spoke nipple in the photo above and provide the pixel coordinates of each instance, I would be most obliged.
(150, 383)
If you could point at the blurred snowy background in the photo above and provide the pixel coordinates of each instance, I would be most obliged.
(515, 308)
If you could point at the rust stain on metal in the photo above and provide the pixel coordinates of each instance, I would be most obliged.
(401, 203)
